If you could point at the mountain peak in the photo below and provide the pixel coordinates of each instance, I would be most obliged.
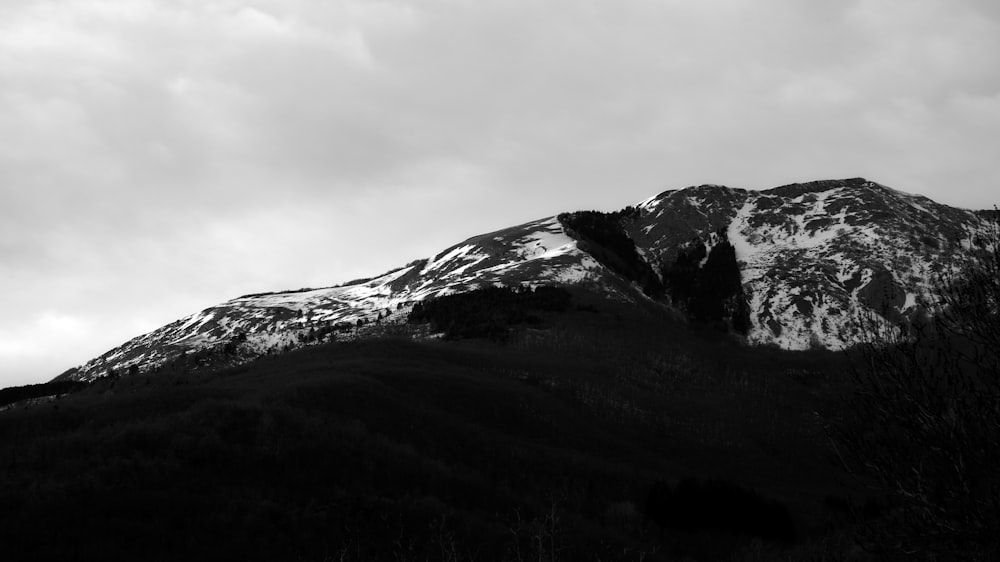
(797, 189)
(699, 193)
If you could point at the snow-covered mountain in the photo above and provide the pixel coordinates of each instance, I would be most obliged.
(809, 257)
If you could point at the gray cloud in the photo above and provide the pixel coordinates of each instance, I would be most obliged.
(159, 157)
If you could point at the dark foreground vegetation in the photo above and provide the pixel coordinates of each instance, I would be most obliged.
(602, 432)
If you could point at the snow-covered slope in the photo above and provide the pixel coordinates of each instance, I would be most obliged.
(536, 253)
(811, 256)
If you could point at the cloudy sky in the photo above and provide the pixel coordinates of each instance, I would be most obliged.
(161, 156)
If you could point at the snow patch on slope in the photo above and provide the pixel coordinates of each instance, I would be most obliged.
(549, 242)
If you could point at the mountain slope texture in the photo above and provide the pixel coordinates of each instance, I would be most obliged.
(791, 266)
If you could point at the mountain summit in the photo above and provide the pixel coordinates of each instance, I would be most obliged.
(789, 266)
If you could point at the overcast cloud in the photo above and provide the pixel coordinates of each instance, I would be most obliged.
(159, 157)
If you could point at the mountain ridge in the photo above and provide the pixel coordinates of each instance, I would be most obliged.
(808, 257)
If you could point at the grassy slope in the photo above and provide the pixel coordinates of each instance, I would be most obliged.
(393, 449)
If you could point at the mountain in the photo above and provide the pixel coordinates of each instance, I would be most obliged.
(812, 256)
(789, 266)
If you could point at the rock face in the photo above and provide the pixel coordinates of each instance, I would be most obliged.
(789, 266)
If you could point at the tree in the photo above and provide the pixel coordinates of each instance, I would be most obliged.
(923, 421)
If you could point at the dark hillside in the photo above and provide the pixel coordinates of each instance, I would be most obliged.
(559, 444)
